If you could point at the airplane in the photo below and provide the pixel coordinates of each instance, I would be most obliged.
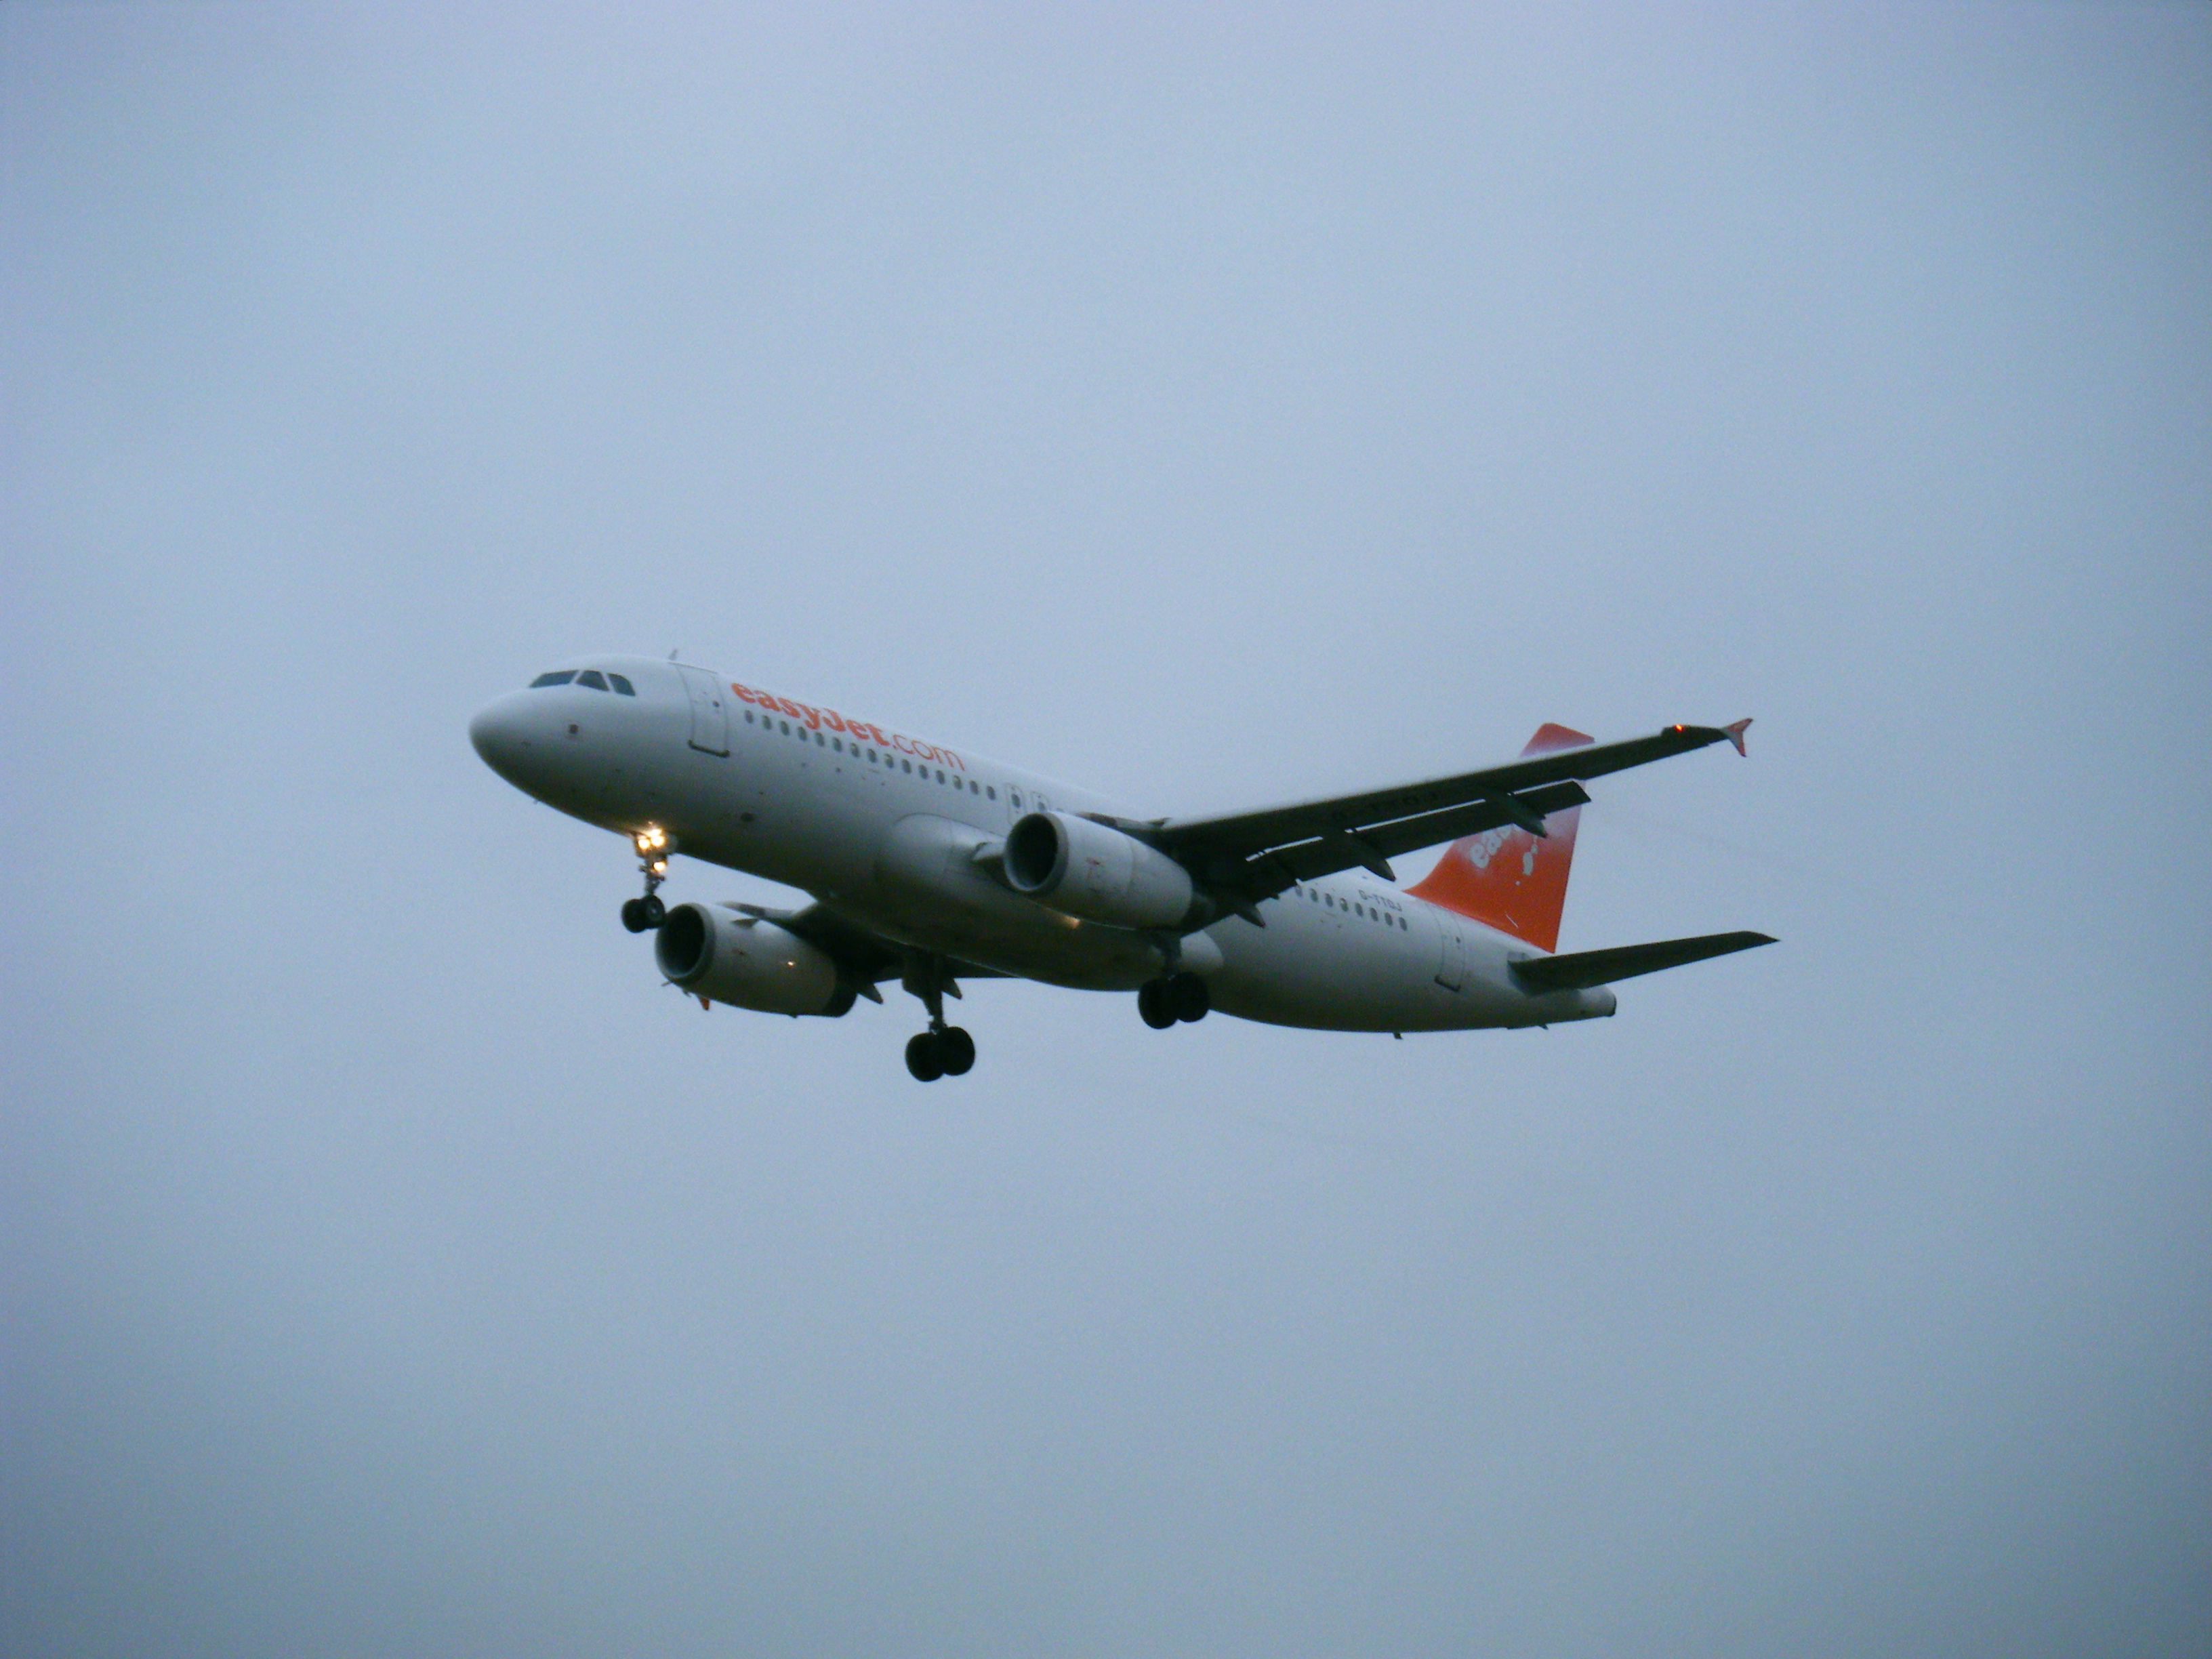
(928, 865)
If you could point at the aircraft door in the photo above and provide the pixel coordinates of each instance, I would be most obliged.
(710, 725)
(1451, 970)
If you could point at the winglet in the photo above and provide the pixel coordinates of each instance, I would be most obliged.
(1735, 734)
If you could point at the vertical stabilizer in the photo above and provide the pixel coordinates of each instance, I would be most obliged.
(1507, 878)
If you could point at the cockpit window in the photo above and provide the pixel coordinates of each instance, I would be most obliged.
(621, 685)
(593, 678)
(562, 677)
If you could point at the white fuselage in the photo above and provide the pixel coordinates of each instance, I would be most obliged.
(883, 830)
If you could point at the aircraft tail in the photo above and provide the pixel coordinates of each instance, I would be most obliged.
(1507, 878)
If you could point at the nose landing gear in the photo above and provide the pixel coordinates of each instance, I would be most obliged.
(943, 1050)
(641, 915)
(1178, 997)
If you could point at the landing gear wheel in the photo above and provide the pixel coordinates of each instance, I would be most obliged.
(633, 916)
(956, 1051)
(1188, 997)
(1154, 1006)
(923, 1057)
(652, 910)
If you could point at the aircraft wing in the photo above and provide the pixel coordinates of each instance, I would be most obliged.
(1260, 854)
(864, 955)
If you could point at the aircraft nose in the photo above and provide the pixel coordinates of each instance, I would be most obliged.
(500, 734)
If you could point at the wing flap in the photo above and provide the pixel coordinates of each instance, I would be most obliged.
(1246, 833)
(1585, 970)
(1326, 855)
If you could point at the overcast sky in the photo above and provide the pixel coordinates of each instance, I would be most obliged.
(1209, 407)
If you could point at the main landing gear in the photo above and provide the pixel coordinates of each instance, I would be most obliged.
(943, 1050)
(1163, 1002)
(641, 915)
(940, 1052)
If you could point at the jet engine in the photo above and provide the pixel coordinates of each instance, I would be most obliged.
(1081, 868)
(748, 964)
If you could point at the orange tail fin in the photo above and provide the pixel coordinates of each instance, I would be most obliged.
(1508, 878)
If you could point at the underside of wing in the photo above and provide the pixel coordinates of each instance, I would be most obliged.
(864, 956)
(1257, 854)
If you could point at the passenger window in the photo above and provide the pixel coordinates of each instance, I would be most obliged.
(748, 717)
(820, 741)
(907, 765)
(621, 685)
(560, 678)
(974, 788)
(991, 791)
(786, 724)
(593, 678)
(837, 745)
(940, 777)
(1015, 796)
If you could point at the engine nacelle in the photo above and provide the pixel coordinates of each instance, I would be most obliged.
(1093, 871)
(748, 964)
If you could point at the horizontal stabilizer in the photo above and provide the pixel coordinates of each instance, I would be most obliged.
(1586, 969)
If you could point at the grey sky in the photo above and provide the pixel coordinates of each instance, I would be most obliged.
(1209, 409)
